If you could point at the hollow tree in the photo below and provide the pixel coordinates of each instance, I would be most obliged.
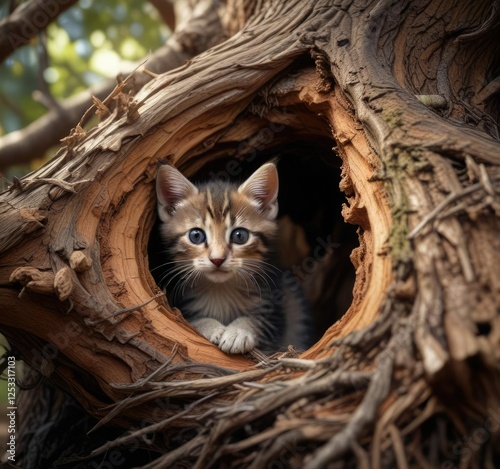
(400, 95)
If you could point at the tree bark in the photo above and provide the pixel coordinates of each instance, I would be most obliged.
(404, 91)
(27, 21)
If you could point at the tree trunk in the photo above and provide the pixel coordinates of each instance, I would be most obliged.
(404, 93)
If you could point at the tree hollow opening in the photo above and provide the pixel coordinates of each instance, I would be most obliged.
(314, 242)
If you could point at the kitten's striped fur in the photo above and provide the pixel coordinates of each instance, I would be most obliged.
(219, 279)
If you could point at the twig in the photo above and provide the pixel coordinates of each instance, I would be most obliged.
(298, 363)
(287, 440)
(64, 185)
(262, 359)
(448, 200)
(185, 388)
(398, 446)
(362, 459)
(172, 457)
(96, 103)
(234, 415)
(17, 147)
(365, 414)
(485, 180)
(216, 382)
(123, 311)
(263, 386)
(44, 96)
(489, 90)
(266, 435)
(142, 382)
(156, 427)
(490, 23)
(205, 369)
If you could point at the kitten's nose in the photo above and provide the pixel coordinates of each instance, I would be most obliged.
(217, 262)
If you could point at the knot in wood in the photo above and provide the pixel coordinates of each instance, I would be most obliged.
(34, 279)
(79, 261)
(63, 283)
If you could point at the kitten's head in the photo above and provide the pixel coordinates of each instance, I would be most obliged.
(217, 230)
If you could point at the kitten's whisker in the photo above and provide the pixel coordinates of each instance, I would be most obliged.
(261, 268)
(167, 263)
(240, 274)
(192, 276)
(250, 274)
(251, 270)
(176, 272)
(181, 284)
(263, 275)
(264, 264)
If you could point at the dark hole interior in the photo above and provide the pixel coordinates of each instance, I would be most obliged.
(314, 242)
(483, 328)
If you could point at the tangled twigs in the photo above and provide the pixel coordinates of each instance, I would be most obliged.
(364, 415)
(485, 184)
(150, 429)
(439, 208)
(263, 392)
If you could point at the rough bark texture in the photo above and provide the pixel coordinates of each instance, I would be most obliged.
(408, 377)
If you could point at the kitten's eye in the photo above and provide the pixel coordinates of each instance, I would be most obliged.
(239, 236)
(197, 236)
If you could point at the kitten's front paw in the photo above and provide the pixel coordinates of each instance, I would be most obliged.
(209, 328)
(239, 337)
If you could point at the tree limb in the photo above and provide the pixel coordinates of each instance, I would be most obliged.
(197, 33)
(166, 11)
(27, 21)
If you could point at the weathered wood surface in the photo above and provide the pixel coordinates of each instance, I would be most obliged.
(409, 110)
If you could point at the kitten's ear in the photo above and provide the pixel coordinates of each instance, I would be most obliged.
(262, 186)
(171, 189)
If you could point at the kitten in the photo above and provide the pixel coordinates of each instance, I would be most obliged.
(218, 236)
